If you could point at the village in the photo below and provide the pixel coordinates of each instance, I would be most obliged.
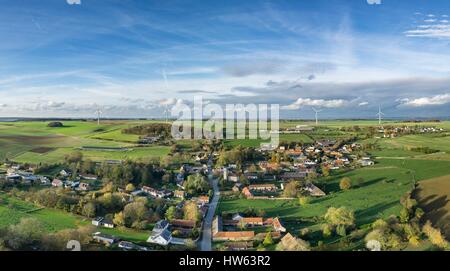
(271, 177)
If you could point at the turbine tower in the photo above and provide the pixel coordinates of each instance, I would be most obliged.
(98, 112)
(166, 113)
(317, 115)
(380, 115)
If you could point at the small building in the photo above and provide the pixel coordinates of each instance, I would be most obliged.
(91, 177)
(162, 238)
(65, 173)
(57, 183)
(103, 222)
(234, 236)
(314, 190)
(277, 226)
(84, 186)
(246, 192)
(203, 200)
(156, 193)
(104, 238)
(182, 223)
(262, 187)
(293, 175)
(180, 194)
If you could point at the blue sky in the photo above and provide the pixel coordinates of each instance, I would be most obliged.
(134, 57)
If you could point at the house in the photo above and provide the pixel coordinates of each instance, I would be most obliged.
(161, 225)
(290, 243)
(65, 173)
(277, 226)
(156, 193)
(269, 166)
(238, 246)
(179, 194)
(104, 238)
(262, 187)
(160, 234)
(103, 222)
(88, 177)
(251, 176)
(237, 187)
(203, 200)
(234, 236)
(233, 177)
(182, 223)
(246, 192)
(365, 162)
(294, 175)
(252, 221)
(314, 190)
(57, 183)
(84, 186)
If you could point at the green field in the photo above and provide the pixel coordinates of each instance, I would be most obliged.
(12, 210)
(34, 142)
(377, 197)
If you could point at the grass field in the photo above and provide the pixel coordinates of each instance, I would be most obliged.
(12, 210)
(433, 196)
(377, 197)
(34, 142)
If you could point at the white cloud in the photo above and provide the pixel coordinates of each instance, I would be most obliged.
(301, 102)
(374, 2)
(170, 101)
(431, 28)
(363, 103)
(74, 2)
(426, 101)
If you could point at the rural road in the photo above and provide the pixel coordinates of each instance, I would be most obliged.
(206, 239)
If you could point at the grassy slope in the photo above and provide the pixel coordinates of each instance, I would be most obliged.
(433, 196)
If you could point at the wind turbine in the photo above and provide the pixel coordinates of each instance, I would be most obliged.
(380, 115)
(166, 113)
(98, 112)
(317, 115)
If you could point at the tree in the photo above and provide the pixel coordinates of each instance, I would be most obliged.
(171, 213)
(134, 212)
(326, 231)
(325, 171)
(303, 201)
(291, 189)
(345, 183)
(119, 219)
(130, 187)
(191, 211)
(196, 184)
(55, 124)
(434, 235)
(74, 157)
(29, 231)
(340, 216)
(89, 209)
(268, 239)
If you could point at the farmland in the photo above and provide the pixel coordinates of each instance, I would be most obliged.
(34, 142)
